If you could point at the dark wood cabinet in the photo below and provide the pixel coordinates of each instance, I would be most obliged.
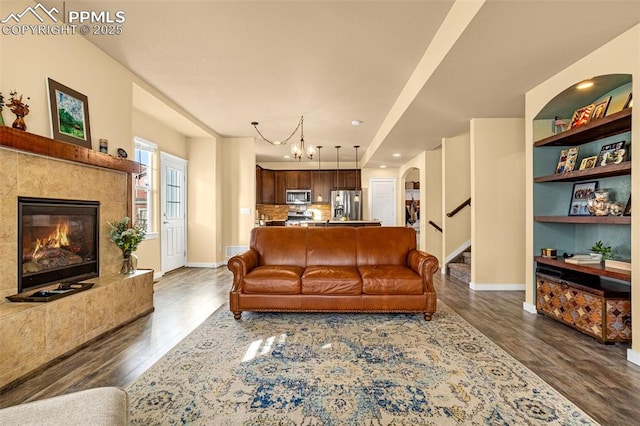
(298, 179)
(258, 185)
(281, 186)
(346, 179)
(321, 184)
(268, 190)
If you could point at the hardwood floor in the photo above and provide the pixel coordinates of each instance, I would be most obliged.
(596, 377)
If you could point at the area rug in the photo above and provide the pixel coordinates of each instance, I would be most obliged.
(343, 369)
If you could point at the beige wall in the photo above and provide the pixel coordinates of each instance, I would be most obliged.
(431, 206)
(205, 223)
(456, 189)
(619, 56)
(498, 207)
(238, 190)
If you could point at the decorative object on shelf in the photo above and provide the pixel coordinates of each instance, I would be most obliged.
(581, 116)
(549, 252)
(616, 208)
(104, 145)
(583, 259)
(579, 197)
(598, 202)
(69, 111)
(122, 153)
(20, 109)
(600, 109)
(1, 107)
(612, 153)
(567, 161)
(559, 125)
(298, 149)
(629, 102)
(624, 264)
(127, 239)
(588, 162)
(605, 251)
(627, 208)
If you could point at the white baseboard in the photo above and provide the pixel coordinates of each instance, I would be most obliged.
(633, 356)
(205, 265)
(529, 308)
(443, 270)
(157, 275)
(496, 287)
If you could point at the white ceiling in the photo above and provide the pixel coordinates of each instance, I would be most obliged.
(229, 63)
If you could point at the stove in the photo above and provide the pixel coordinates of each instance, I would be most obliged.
(297, 216)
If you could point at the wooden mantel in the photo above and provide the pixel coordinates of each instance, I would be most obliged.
(29, 142)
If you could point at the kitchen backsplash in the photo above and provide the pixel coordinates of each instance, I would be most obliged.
(279, 211)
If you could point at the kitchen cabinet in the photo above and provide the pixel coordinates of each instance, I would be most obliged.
(268, 189)
(346, 179)
(281, 186)
(321, 184)
(258, 185)
(298, 179)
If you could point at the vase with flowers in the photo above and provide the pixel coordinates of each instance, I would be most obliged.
(20, 109)
(127, 237)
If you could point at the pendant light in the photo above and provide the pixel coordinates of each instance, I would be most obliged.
(356, 198)
(319, 193)
(338, 173)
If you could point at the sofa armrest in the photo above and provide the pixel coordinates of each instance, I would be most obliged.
(425, 265)
(241, 264)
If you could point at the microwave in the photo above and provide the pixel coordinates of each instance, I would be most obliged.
(298, 196)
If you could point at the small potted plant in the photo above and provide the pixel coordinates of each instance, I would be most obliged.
(604, 251)
(20, 109)
(127, 239)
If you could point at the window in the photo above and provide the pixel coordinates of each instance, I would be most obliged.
(144, 184)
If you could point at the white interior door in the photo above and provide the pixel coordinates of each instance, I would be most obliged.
(383, 200)
(173, 184)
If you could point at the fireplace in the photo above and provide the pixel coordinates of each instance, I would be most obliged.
(57, 241)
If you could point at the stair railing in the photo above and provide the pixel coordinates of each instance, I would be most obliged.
(460, 207)
(435, 226)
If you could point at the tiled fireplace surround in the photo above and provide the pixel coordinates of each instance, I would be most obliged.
(34, 334)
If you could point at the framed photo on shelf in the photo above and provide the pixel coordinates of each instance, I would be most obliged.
(612, 153)
(588, 162)
(629, 102)
(579, 197)
(627, 208)
(69, 111)
(600, 109)
(567, 160)
(581, 116)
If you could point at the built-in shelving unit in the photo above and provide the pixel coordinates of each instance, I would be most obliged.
(559, 283)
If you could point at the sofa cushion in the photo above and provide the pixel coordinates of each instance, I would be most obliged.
(390, 279)
(331, 246)
(387, 245)
(280, 246)
(331, 280)
(276, 279)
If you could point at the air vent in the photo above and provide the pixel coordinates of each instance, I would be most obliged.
(231, 251)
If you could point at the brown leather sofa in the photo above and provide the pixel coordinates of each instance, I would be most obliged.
(341, 269)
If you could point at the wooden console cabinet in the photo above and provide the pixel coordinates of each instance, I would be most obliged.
(602, 311)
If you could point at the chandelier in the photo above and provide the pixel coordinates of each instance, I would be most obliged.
(298, 149)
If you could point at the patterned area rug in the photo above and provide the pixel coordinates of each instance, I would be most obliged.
(343, 369)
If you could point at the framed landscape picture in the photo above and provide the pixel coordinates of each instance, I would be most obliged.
(69, 111)
(579, 197)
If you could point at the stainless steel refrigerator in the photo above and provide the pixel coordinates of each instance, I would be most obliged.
(346, 204)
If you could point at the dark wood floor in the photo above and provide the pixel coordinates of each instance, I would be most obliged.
(596, 377)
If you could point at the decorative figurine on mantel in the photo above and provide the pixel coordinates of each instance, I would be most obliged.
(20, 109)
(1, 106)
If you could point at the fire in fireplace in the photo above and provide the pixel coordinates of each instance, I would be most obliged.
(57, 241)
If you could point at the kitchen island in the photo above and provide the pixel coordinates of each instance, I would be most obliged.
(335, 223)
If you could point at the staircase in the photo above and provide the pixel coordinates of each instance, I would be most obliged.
(460, 267)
